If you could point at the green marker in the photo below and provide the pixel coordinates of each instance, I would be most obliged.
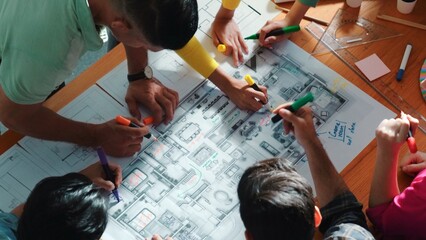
(276, 32)
(309, 97)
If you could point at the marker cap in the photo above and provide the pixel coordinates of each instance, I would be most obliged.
(411, 141)
(148, 120)
(221, 48)
(399, 74)
(122, 120)
(249, 79)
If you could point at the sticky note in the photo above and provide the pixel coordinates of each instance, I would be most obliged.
(372, 67)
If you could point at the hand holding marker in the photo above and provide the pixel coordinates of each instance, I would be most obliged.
(108, 173)
(276, 32)
(250, 81)
(309, 97)
(126, 122)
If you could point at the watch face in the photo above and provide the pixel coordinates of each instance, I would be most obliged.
(148, 72)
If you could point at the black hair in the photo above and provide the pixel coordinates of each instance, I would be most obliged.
(169, 24)
(66, 207)
(276, 202)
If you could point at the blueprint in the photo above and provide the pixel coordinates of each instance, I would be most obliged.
(3, 128)
(184, 184)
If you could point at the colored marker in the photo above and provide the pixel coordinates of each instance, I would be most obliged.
(107, 171)
(411, 142)
(404, 62)
(250, 81)
(309, 97)
(276, 32)
(126, 122)
(221, 48)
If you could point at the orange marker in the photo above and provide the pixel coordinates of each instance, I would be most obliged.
(148, 120)
(126, 122)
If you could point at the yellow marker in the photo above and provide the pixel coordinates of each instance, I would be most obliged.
(221, 48)
(252, 84)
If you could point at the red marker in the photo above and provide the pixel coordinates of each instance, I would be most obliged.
(126, 122)
(411, 142)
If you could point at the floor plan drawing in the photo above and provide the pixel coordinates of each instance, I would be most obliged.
(184, 184)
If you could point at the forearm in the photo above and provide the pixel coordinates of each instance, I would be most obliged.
(384, 186)
(296, 13)
(40, 122)
(137, 59)
(224, 13)
(328, 182)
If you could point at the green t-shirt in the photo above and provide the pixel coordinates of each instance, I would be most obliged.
(41, 42)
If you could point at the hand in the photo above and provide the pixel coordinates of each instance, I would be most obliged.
(226, 31)
(118, 140)
(414, 163)
(268, 27)
(158, 237)
(95, 173)
(300, 123)
(392, 133)
(160, 100)
(245, 97)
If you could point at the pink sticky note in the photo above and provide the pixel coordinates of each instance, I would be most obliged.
(372, 67)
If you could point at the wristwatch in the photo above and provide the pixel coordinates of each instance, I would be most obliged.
(145, 74)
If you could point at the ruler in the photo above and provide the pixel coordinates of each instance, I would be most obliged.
(392, 97)
(348, 29)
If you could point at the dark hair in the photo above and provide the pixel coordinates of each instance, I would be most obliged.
(66, 207)
(276, 202)
(166, 23)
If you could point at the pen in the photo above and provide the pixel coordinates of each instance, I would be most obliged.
(250, 81)
(404, 62)
(126, 122)
(221, 48)
(276, 32)
(411, 142)
(309, 97)
(107, 171)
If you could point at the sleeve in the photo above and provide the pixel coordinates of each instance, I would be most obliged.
(343, 209)
(230, 4)
(403, 215)
(198, 58)
(8, 225)
(310, 3)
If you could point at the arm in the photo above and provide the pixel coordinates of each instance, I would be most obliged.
(293, 17)
(328, 183)
(225, 30)
(390, 135)
(160, 100)
(237, 90)
(38, 121)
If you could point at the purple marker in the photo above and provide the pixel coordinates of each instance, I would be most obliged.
(107, 170)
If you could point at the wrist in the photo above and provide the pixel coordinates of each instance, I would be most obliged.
(147, 73)
(224, 13)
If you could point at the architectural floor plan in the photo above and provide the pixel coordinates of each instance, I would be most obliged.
(184, 184)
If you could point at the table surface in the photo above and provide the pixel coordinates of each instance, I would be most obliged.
(358, 173)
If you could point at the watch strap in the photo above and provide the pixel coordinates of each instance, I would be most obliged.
(136, 76)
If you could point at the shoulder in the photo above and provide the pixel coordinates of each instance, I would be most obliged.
(348, 231)
(8, 225)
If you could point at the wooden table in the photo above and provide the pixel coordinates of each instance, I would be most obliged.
(358, 173)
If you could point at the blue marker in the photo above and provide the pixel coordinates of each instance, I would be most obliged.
(404, 62)
(107, 170)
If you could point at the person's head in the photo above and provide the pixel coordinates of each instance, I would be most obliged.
(276, 202)
(165, 24)
(66, 207)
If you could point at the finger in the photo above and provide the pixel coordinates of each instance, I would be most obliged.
(261, 96)
(105, 184)
(173, 97)
(216, 40)
(414, 123)
(413, 168)
(156, 237)
(133, 108)
(116, 169)
(243, 44)
(167, 107)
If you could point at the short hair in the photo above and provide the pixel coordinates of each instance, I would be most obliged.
(169, 24)
(276, 202)
(66, 207)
